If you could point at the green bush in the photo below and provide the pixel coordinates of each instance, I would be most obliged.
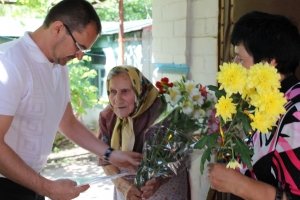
(83, 95)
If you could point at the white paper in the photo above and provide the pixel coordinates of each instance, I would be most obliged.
(89, 181)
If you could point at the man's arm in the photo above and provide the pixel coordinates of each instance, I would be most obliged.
(15, 169)
(79, 134)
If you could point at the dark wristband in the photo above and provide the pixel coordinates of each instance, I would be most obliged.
(107, 153)
(279, 194)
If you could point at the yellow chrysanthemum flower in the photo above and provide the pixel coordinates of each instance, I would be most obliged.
(272, 103)
(263, 77)
(232, 77)
(233, 164)
(248, 93)
(262, 122)
(225, 108)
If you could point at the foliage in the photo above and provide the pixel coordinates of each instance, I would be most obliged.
(107, 10)
(83, 93)
(248, 101)
(133, 10)
(27, 8)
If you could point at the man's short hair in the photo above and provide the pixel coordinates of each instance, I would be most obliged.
(76, 14)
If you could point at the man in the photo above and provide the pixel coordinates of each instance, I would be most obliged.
(261, 37)
(35, 102)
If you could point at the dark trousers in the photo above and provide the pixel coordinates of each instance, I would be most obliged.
(10, 190)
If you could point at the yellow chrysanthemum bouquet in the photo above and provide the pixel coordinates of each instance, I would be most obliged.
(249, 100)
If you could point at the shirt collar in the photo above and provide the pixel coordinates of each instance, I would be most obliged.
(34, 50)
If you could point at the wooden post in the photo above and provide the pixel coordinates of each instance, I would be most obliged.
(121, 31)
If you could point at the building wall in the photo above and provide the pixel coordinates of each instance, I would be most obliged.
(185, 32)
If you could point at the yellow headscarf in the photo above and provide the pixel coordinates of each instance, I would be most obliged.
(145, 94)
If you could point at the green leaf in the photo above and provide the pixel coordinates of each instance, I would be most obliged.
(246, 124)
(207, 140)
(243, 150)
(205, 156)
(218, 93)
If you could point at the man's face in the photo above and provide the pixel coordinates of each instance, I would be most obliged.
(66, 49)
(242, 57)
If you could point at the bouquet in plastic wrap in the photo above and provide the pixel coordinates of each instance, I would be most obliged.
(169, 141)
(249, 100)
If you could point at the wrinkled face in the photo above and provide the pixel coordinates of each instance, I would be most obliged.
(121, 95)
(242, 57)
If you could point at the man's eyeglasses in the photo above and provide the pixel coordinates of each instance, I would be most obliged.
(76, 43)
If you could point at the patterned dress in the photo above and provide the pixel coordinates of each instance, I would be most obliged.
(276, 158)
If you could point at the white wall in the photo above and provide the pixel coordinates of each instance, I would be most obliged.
(186, 32)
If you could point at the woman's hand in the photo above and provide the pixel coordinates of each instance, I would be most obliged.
(152, 186)
(127, 188)
(232, 181)
(221, 178)
(133, 193)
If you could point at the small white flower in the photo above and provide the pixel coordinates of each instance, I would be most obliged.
(198, 113)
(211, 97)
(190, 86)
(233, 164)
(174, 96)
(196, 97)
(187, 107)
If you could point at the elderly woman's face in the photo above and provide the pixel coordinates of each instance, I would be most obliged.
(121, 95)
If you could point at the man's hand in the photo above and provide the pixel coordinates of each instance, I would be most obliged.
(64, 189)
(127, 159)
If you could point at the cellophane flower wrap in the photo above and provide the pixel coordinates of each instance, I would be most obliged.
(249, 100)
(169, 141)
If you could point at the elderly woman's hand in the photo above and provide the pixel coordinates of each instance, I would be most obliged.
(133, 193)
(152, 186)
(128, 189)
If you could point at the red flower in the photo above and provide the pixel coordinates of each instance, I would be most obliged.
(163, 85)
(203, 90)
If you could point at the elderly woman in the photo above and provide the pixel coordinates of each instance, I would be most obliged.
(134, 103)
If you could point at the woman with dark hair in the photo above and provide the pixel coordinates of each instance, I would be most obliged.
(261, 37)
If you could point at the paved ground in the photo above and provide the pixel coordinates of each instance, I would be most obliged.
(78, 163)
